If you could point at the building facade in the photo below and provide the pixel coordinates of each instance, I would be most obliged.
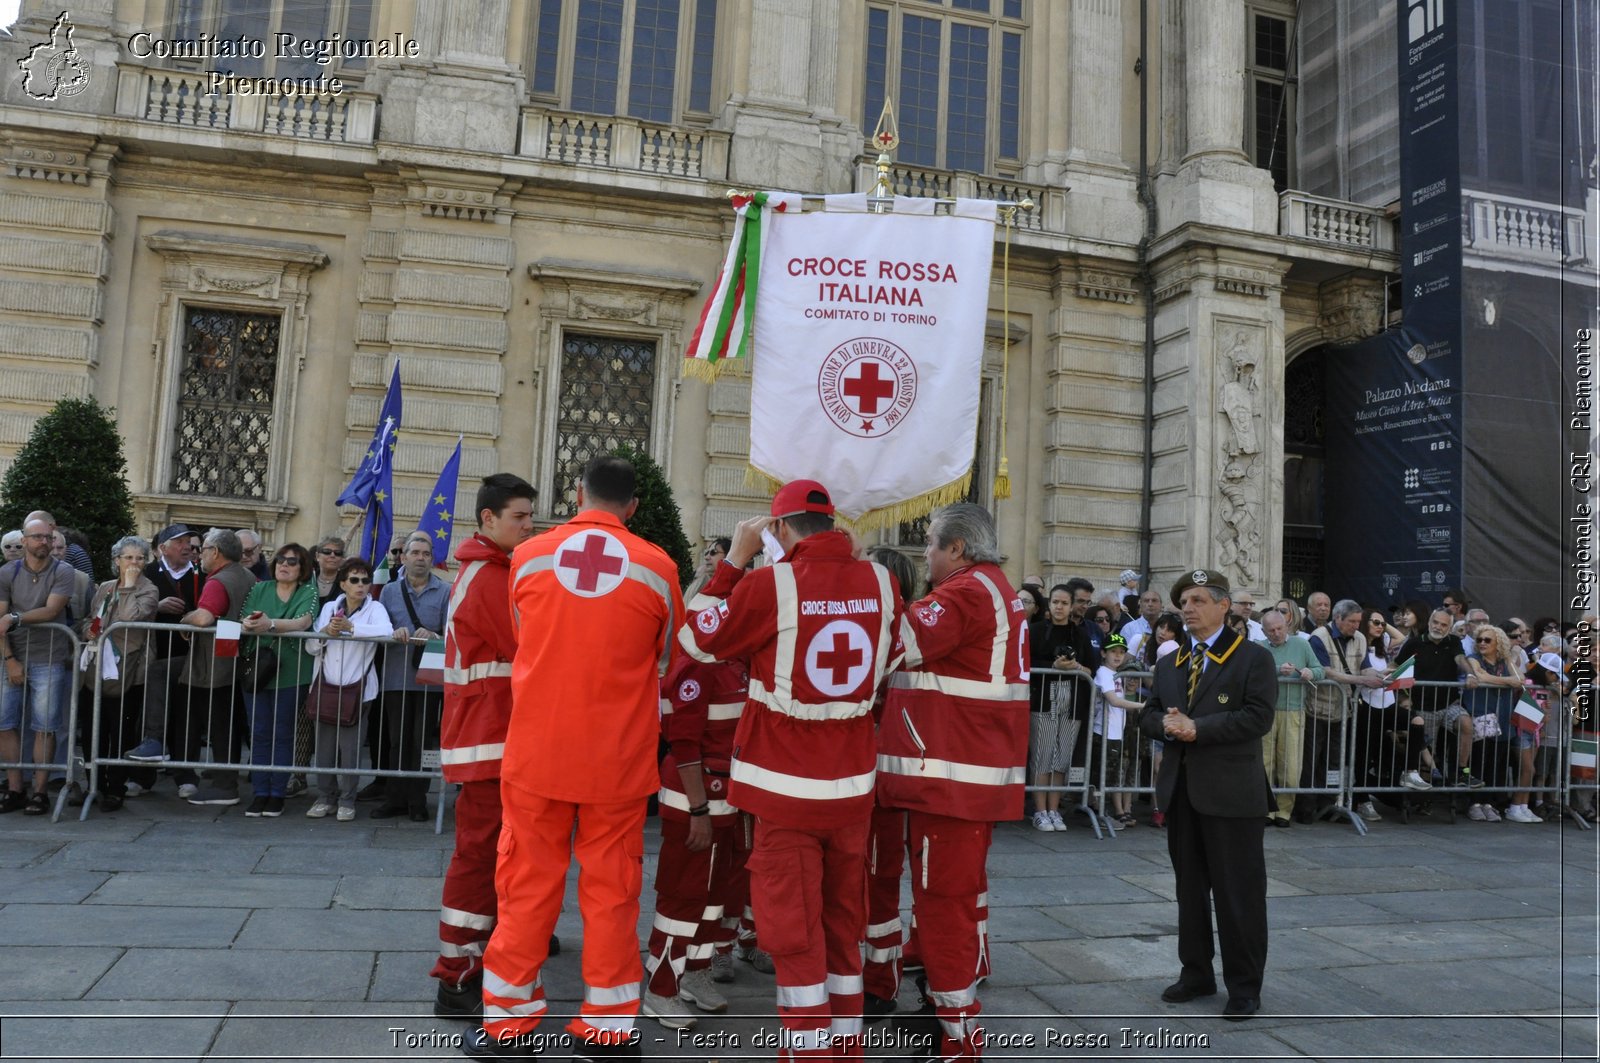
(524, 202)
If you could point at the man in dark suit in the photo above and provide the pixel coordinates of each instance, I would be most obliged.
(1212, 705)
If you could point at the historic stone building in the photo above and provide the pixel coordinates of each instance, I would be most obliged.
(527, 205)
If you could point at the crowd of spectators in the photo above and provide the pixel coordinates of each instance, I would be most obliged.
(166, 695)
(1407, 699)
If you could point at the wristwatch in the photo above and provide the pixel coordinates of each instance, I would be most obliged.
(16, 619)
(271, 624)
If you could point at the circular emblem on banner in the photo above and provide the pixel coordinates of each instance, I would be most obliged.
(591, 564)
(708, 620)
(689, 690)
(839, 657)
(867, 386)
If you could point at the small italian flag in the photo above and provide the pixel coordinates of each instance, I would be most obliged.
(727, 322)
(1529, 716)
(1405, 674)
(430, 670)
(1583, 753)
(227, 641)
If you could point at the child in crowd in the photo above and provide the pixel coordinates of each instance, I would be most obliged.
(1546, 685)
(1110, 722)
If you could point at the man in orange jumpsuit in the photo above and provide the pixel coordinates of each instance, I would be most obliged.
(819, 629)
(478, 646)
(595, 608)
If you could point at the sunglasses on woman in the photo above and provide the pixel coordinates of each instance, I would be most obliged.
(358, 580)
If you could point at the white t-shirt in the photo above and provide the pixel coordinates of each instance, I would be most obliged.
(1106, 713)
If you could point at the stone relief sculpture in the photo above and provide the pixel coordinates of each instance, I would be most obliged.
(1238, 495)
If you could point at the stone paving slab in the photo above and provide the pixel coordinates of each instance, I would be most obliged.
(121, 926)
(218, 855)
(1422, 942)
(21, 885)
(355, 859)
(418, 892)
(1117, 920)
(336, 929)
(1447, 905)
(164, 1030)
(21, 852)
(53, 972)
(1160, 884)
(235, 974)
(1463, 1037)
(214, 890)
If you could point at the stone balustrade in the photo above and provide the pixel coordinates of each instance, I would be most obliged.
(617, 142)
(175, 97)
(922, 182)
(1507, 227)
(1334, 221)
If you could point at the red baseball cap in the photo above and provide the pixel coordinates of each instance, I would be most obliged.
(801, 496)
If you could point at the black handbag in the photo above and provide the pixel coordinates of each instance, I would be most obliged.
(256, 671)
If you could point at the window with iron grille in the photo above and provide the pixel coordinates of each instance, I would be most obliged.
(606, 392)
(223, 441)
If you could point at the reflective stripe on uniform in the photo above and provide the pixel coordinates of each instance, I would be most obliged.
(883, 955)
(674, 799)
(674, 927)
(960, 998)
(497, 1013)
(802, 996)
(472, 754)
(471, 920)
(638, 573)
(788, 602)
(726, 711)
(497, 986)
(804, 1040)
(822, 710)
(451, 951)
(844, 984)
(974, 774)
(878, 930)
(482, 670)
(846, 1026)
(610, 996)
(458, 594)
(1002, 630)
(976, 689)
(608, 1022)
(799, 787)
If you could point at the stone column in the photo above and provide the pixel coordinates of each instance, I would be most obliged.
(1214, 39)
(1098, 71)
(474, 33)
(460, 92)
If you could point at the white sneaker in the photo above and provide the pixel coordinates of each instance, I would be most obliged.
(670, 1012)
(132, 789)
(1041, 821)
(346, 813)
(1522, 814)
(722, 966)
(1475, 812)
(1413, 780)
(1056, 822)
(319, 809)
(697, 989)
(758, 958)
(1490, 815)
(1368, 811)
(187, 790)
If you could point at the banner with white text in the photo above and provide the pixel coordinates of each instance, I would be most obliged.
(869, 332)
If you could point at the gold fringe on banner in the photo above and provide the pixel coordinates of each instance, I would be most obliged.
(701, 369)
(884, 516)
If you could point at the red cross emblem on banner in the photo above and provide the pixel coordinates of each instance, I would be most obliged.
(591, 564)
(839, 658)
(867, 386)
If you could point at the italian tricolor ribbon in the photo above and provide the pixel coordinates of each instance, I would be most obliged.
(726, 324)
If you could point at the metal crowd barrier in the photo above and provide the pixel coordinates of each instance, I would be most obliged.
(1066, 709)
(207, 728)
(55, 679)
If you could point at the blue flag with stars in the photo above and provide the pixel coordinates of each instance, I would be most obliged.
(372, 487)
(438, 520)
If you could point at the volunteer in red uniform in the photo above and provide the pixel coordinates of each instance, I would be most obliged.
(595, 607)
(478, 647)
(818, 628)
(700, 873)
(952, 752)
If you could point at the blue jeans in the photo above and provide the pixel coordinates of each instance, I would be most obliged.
(272, 714)
(46, 688)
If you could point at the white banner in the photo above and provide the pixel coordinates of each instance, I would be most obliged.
(868, 357)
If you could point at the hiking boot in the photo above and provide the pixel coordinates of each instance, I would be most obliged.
(697, 988)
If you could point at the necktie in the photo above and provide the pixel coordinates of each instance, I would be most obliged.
(1197, 659)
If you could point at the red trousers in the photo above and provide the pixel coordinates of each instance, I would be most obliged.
(948, 882)
(537, 842)
(467, 910)
(886, 857)
(809, 892)
(696, 893)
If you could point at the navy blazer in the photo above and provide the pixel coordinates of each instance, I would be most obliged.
(1232, 712)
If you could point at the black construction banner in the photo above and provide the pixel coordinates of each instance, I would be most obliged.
(1392, 504)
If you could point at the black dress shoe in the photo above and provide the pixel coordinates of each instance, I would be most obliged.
(418, 813)
(1181, 992)
(875, 1008)
(459, 1002)
(1279, 821)
(387, 812)
(555, 946)
(1241, 1008)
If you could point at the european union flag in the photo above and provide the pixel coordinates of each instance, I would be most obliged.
(372, 488)
(438, 520)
